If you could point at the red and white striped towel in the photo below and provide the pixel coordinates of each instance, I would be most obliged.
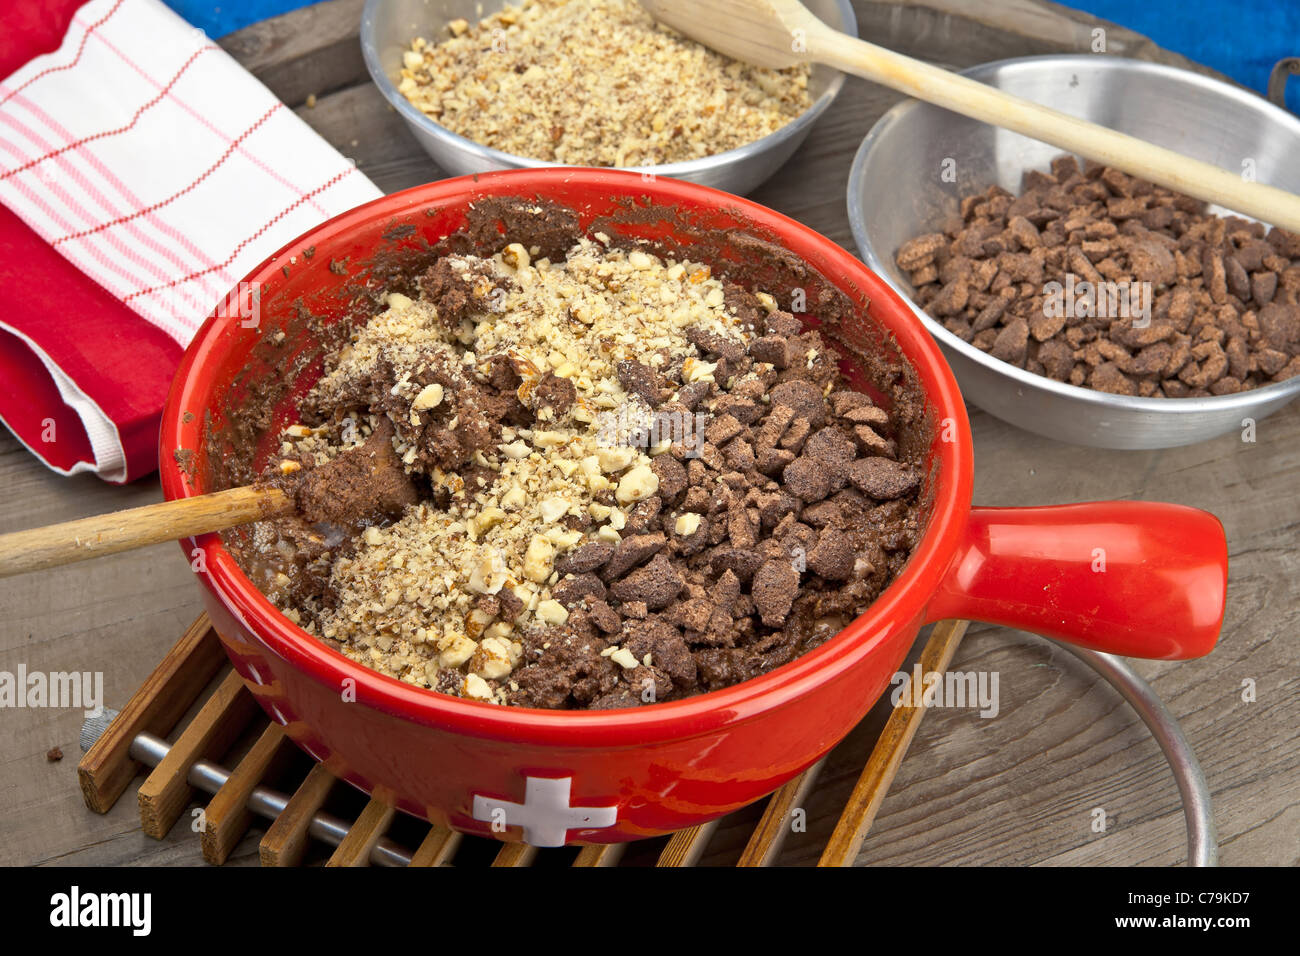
(148, 159)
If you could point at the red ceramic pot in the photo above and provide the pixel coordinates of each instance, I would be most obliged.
(555, 777)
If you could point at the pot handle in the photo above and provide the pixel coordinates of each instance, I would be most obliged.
(1134, 578)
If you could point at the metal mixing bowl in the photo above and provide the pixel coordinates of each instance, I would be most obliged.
(895, 192)
(388, 26)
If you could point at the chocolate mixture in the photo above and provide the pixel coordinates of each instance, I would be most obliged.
(600, 481)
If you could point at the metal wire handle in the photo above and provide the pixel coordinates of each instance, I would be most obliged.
(1202, 841)
(1283, 70)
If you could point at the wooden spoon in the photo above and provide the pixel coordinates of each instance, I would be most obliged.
(84, 538)
(781, 33)
(362, 482)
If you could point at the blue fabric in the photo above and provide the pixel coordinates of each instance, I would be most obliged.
(1241, 38)
(221, 18)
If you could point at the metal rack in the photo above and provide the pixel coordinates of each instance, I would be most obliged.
(119, 744)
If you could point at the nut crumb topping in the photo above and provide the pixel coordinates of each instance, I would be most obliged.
(595, 83)
(410, 595)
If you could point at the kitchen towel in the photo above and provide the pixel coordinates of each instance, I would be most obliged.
(143, 173)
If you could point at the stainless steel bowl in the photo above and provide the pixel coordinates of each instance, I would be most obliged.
(388, 26)
(896, 192)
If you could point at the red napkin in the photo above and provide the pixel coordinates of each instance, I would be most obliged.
(137, 148)
(40, 287)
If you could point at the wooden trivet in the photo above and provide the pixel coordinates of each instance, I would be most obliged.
(135, 740)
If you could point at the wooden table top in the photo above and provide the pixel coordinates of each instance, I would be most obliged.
(1016, 789)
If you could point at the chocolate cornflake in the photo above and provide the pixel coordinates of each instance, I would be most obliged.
(1097, 278)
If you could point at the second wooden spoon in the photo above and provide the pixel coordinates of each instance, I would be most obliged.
(782, 33)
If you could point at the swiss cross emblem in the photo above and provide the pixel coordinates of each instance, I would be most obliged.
(545, 814)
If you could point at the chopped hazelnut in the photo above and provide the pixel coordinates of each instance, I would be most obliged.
(687, 524)
(639, 483)
(552, 612)
(537, 559)
(430, 397)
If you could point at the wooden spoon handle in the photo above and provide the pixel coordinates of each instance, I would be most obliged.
(991, 105)
(71, 541)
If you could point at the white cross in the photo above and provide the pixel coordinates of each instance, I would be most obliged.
(545, 814)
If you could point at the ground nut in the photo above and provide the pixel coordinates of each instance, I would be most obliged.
(624, 658)
(693, 370)
(687, 524)
(457, 650)
(492, 660)
(517, 256)
(538, 559)
(477, 688)
(615, 459)
(638, 484)
(488, 576)
(689, 106)
(430, 397)
(551, 612)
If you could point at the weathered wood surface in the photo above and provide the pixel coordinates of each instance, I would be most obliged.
(1019, 788)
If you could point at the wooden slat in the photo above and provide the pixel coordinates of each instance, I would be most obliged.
(312, 50)
(107, 768)
(370, 826)
(285, 842)
(685, 846)
(227, 815)
(774, 826)
(217, 725)
(886, 757)
(607, 854)
(437, 848)
(515, 854)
